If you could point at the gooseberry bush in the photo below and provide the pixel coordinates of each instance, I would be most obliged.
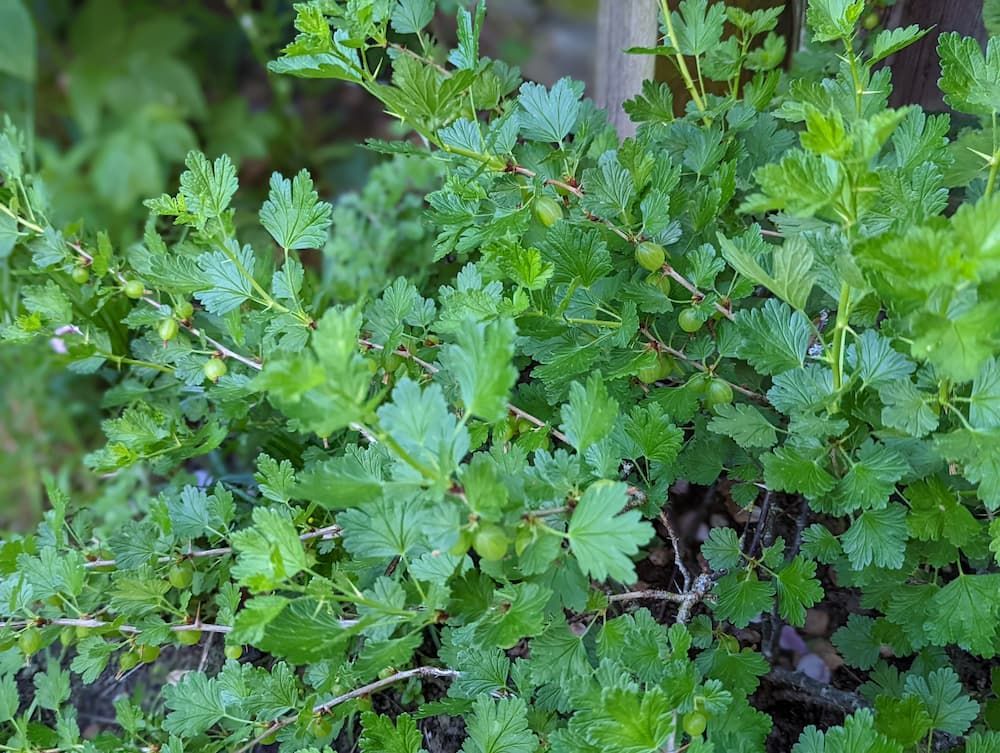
(439, 490)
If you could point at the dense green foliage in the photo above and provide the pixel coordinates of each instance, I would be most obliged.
(445, 480)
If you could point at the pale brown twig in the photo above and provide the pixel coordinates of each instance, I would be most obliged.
(372, 687)
(222, 551)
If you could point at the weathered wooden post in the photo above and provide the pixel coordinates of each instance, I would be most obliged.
(917, 68)
(622, 24)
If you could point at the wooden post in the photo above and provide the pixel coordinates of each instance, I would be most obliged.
(916, 69)
(622, 24)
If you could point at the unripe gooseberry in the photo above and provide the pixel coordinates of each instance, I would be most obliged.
(147, 653)
(128, 660)
(30, 641)
(135, 289)
(184, 310)
(80, 275)
(491, 542)
(656, 371)
(167, 329)
(214, 369)
(651, 256)
(234, 651)
(547, 210)
(695, 723)
(718, 393)
(188, 637)
(461, 546)
(689, 321)
(181, 575)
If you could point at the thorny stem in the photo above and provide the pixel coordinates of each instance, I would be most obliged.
(128, 629)
(222, 551)
(691, 596)
(372, 687)
(693, 290)
(700, 366)
(675, 542)
(651, 595)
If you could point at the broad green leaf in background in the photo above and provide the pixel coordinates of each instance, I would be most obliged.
(745, 424)
(950, 709)
(17, 40)
(775, 337)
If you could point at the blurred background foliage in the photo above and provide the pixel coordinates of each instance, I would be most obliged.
(113, 93)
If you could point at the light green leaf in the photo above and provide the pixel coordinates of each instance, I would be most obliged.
(631, 721)
(419, 421)
(907, 408)
(877, 537)
(792, 470)
(798, 589)
(514, 613)
(775, 337)
(742, 596)
(950, 709)
(590, 413)
(833, 19)
(481, 363)
(602, 539)
(270, 552)
(984, 403)
(195, 704)
(293, 213)
(877, 362)
(9, 697)
(228, 276)
(411, 16)
(970, 81)
(745, 424)
(383, 735)
(207, 188)
(891, 41)
(965, 613)
(722, 549)
(499, 726)
(549, 115)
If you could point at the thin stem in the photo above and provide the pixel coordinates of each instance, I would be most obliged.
(675, 542)
(991, 180)
(681, 62)
(839, 335)
(320, 533)
(650, 595)
(693, 289)
(222, 349)
(660, 345)
(372, 687)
